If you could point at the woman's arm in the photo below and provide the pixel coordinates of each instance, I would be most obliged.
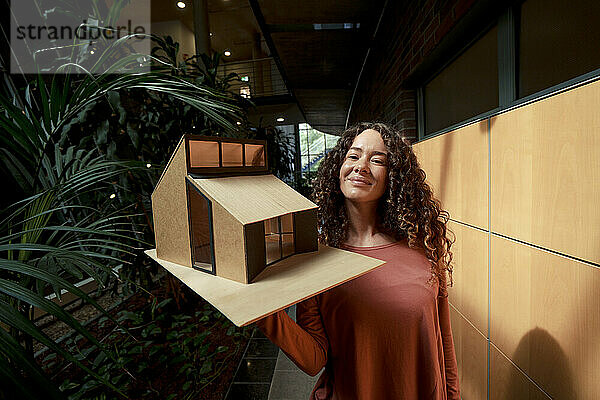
(305, 342)
(452, 386)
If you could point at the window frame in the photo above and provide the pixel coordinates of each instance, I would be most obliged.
(220, 170)
(190, 186)
(507, 20)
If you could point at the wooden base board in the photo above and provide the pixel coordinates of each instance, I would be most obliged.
(281, 285)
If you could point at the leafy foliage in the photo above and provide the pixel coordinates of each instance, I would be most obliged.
(81, 151)
(164, 337)
(68, 223)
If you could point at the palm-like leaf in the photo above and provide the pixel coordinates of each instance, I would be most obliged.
(37, 254)
(59, 231)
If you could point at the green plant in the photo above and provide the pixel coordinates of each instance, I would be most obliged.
(163, 338)
(66, 227)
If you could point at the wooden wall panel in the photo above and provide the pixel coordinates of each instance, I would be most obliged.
(471, 354)
(456, 165)
(508, 383)
(254, 243)
(305, 228)
(545, 173)
(545, 316)
(230, 256)
(169, 211)
(470, 258)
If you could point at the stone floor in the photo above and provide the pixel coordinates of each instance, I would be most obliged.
(265, 373)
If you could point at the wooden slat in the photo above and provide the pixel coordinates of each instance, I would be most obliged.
(546, 173)
(470, 291)
(254, 198)
(456, 165)
(279, 286)
(471, 355)
(545, 316)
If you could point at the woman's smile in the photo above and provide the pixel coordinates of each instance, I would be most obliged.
(359, 181)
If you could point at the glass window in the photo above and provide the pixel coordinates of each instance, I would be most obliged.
(232, 154)
(271, 226)
(201, 236)
(287, 223)
(273, 248)
(279, 237)
(313, 147)
(287, 244)
(465, 88)
(203, 153)
(558, 40)
(255, 155)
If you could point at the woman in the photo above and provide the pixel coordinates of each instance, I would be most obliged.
(385, 334)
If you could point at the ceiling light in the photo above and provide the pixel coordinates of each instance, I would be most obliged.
(280, 119)
(227, 53)
(180, 4)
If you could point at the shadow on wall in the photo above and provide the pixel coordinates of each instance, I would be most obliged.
(542, 353)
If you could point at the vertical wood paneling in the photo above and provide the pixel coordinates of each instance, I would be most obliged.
(545, 316)
(456, 165)
(470, 258)
(471, 355)
(508, 383)
(545, 173)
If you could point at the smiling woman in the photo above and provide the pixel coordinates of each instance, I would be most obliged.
(386, 334)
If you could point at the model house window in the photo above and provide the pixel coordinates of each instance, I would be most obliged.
(279, 237)
(222, 153)
(255, 155)
(232, 154)
(558, 40)
(466, 87)
(200, 229)
(204, 154)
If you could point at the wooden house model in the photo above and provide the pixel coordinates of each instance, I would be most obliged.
(217, 209)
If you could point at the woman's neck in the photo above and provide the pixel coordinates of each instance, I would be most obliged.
(364, 229)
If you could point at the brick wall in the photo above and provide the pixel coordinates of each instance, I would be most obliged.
(409, 31)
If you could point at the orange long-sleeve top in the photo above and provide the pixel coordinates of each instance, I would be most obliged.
(384, 335)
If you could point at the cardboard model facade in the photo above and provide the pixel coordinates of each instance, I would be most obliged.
(233, 232)
(217, 209)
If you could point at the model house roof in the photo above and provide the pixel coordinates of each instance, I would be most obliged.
(253, 198)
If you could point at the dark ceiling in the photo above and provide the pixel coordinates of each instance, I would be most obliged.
(321, 66)
(319, 45)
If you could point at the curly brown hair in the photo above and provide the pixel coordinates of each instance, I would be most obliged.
(407, 209)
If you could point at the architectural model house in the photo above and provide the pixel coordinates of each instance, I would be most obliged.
(238, 236)
(218, 209)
